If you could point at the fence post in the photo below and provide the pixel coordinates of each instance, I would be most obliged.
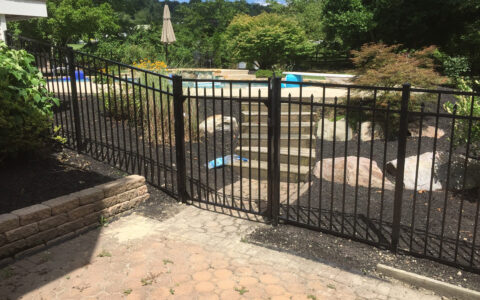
(74, 99)
(274, 109)
(179, 125)
(402, 145)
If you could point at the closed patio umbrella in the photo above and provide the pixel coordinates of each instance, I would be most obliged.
(168, 36)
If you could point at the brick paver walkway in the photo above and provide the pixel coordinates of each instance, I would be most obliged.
(198, 254)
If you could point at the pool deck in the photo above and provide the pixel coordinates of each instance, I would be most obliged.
(87, 88)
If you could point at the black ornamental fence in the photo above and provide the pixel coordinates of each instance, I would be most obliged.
(394, 167)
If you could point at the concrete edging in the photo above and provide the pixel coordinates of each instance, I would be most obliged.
(441, 288)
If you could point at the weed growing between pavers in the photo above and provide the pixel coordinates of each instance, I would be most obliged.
(103, 221)
(242, 290)
(172, 291)
(331, 286)
(167, 261)
(127, 292)
(150, 279)
(104, 253)
(312, 297)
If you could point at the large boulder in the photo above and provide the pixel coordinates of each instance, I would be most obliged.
(351, 172)
(217, 123)
(424, 172)
(427, 130)
(440, 170)
(341, 129)
(366, 132)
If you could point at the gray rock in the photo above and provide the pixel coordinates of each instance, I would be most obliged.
(440, 170)
(341, 129)
(216, 121)
(424, 172)
(427, 131)
(366, 132)
(351, 172)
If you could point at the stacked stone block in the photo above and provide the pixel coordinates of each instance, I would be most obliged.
(29, 229)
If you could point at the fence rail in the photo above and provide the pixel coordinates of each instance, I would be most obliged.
(394, 167)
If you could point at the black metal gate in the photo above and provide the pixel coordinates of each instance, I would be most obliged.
(394, 167)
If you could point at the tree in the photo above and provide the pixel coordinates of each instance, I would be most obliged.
(266, 40)
(71, 20)
(308, 13)
(347, 24)
(388, 66)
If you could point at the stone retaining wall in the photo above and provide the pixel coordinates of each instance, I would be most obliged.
(29, 229)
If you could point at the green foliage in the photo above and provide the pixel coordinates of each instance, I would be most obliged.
(71, 20)
(453, 67)
(25, 105)
(266, 40)
(307, 13)
(389, 66)
(466, 106)
(268, 73)
(346, 23)
(138, 45)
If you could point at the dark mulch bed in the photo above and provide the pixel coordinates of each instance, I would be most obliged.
(25, 183)
(354, 256)
(31, 181)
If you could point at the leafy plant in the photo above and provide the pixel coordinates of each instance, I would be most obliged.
(466, 106)
(241, 290)
(104, 253)
(103, 221)
(268, 73)
(390, 66)
(454, 67)
(127, 292)
(26, 106)
(266, 40)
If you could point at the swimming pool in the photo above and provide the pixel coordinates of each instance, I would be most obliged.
(222, 85)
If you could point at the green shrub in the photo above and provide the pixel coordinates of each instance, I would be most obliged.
(464, 106)
(454, 67)
(25, 105)
(390, 66)
(268, 73)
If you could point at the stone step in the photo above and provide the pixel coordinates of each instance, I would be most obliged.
(254, 167)
(295, 127)
(254, 140)
(256, 116)
(294, 107)
(302, 156)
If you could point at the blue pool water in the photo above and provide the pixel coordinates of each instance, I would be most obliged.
(220, 85)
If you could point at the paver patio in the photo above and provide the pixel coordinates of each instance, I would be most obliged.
(197, 254)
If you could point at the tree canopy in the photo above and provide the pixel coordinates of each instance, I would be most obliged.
(71, 20)
(266, 40)
(338, 26)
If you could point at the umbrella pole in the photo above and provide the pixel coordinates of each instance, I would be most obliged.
(166, 54)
